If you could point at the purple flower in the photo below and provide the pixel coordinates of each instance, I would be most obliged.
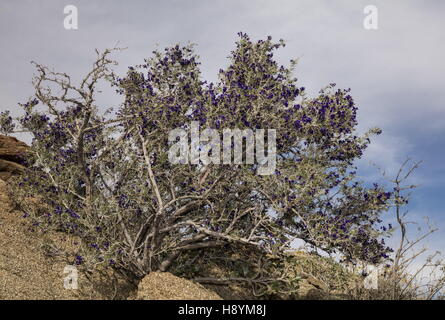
(78, 260)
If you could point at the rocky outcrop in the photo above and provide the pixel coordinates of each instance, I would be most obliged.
(9, 168)
(12, 152)
(166, 286)
(12, 149)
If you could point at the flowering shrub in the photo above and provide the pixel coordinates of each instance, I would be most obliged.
(6, 123)
(104, 175)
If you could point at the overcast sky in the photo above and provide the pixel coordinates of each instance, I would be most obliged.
(396, 73)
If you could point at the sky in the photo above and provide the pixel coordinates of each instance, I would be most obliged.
(395, 72)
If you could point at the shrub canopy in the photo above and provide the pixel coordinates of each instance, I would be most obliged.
(105, 176)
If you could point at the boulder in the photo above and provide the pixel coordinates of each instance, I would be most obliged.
(12, 152)
(166, 286)
(9, 168)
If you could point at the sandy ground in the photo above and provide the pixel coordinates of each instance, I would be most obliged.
(28, 272)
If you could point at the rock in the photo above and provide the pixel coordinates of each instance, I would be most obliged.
(9, 168)
(12, 152)
(12, 149)
(166, 286)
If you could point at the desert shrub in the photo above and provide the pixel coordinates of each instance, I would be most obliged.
(412, 271)
(105, 175)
